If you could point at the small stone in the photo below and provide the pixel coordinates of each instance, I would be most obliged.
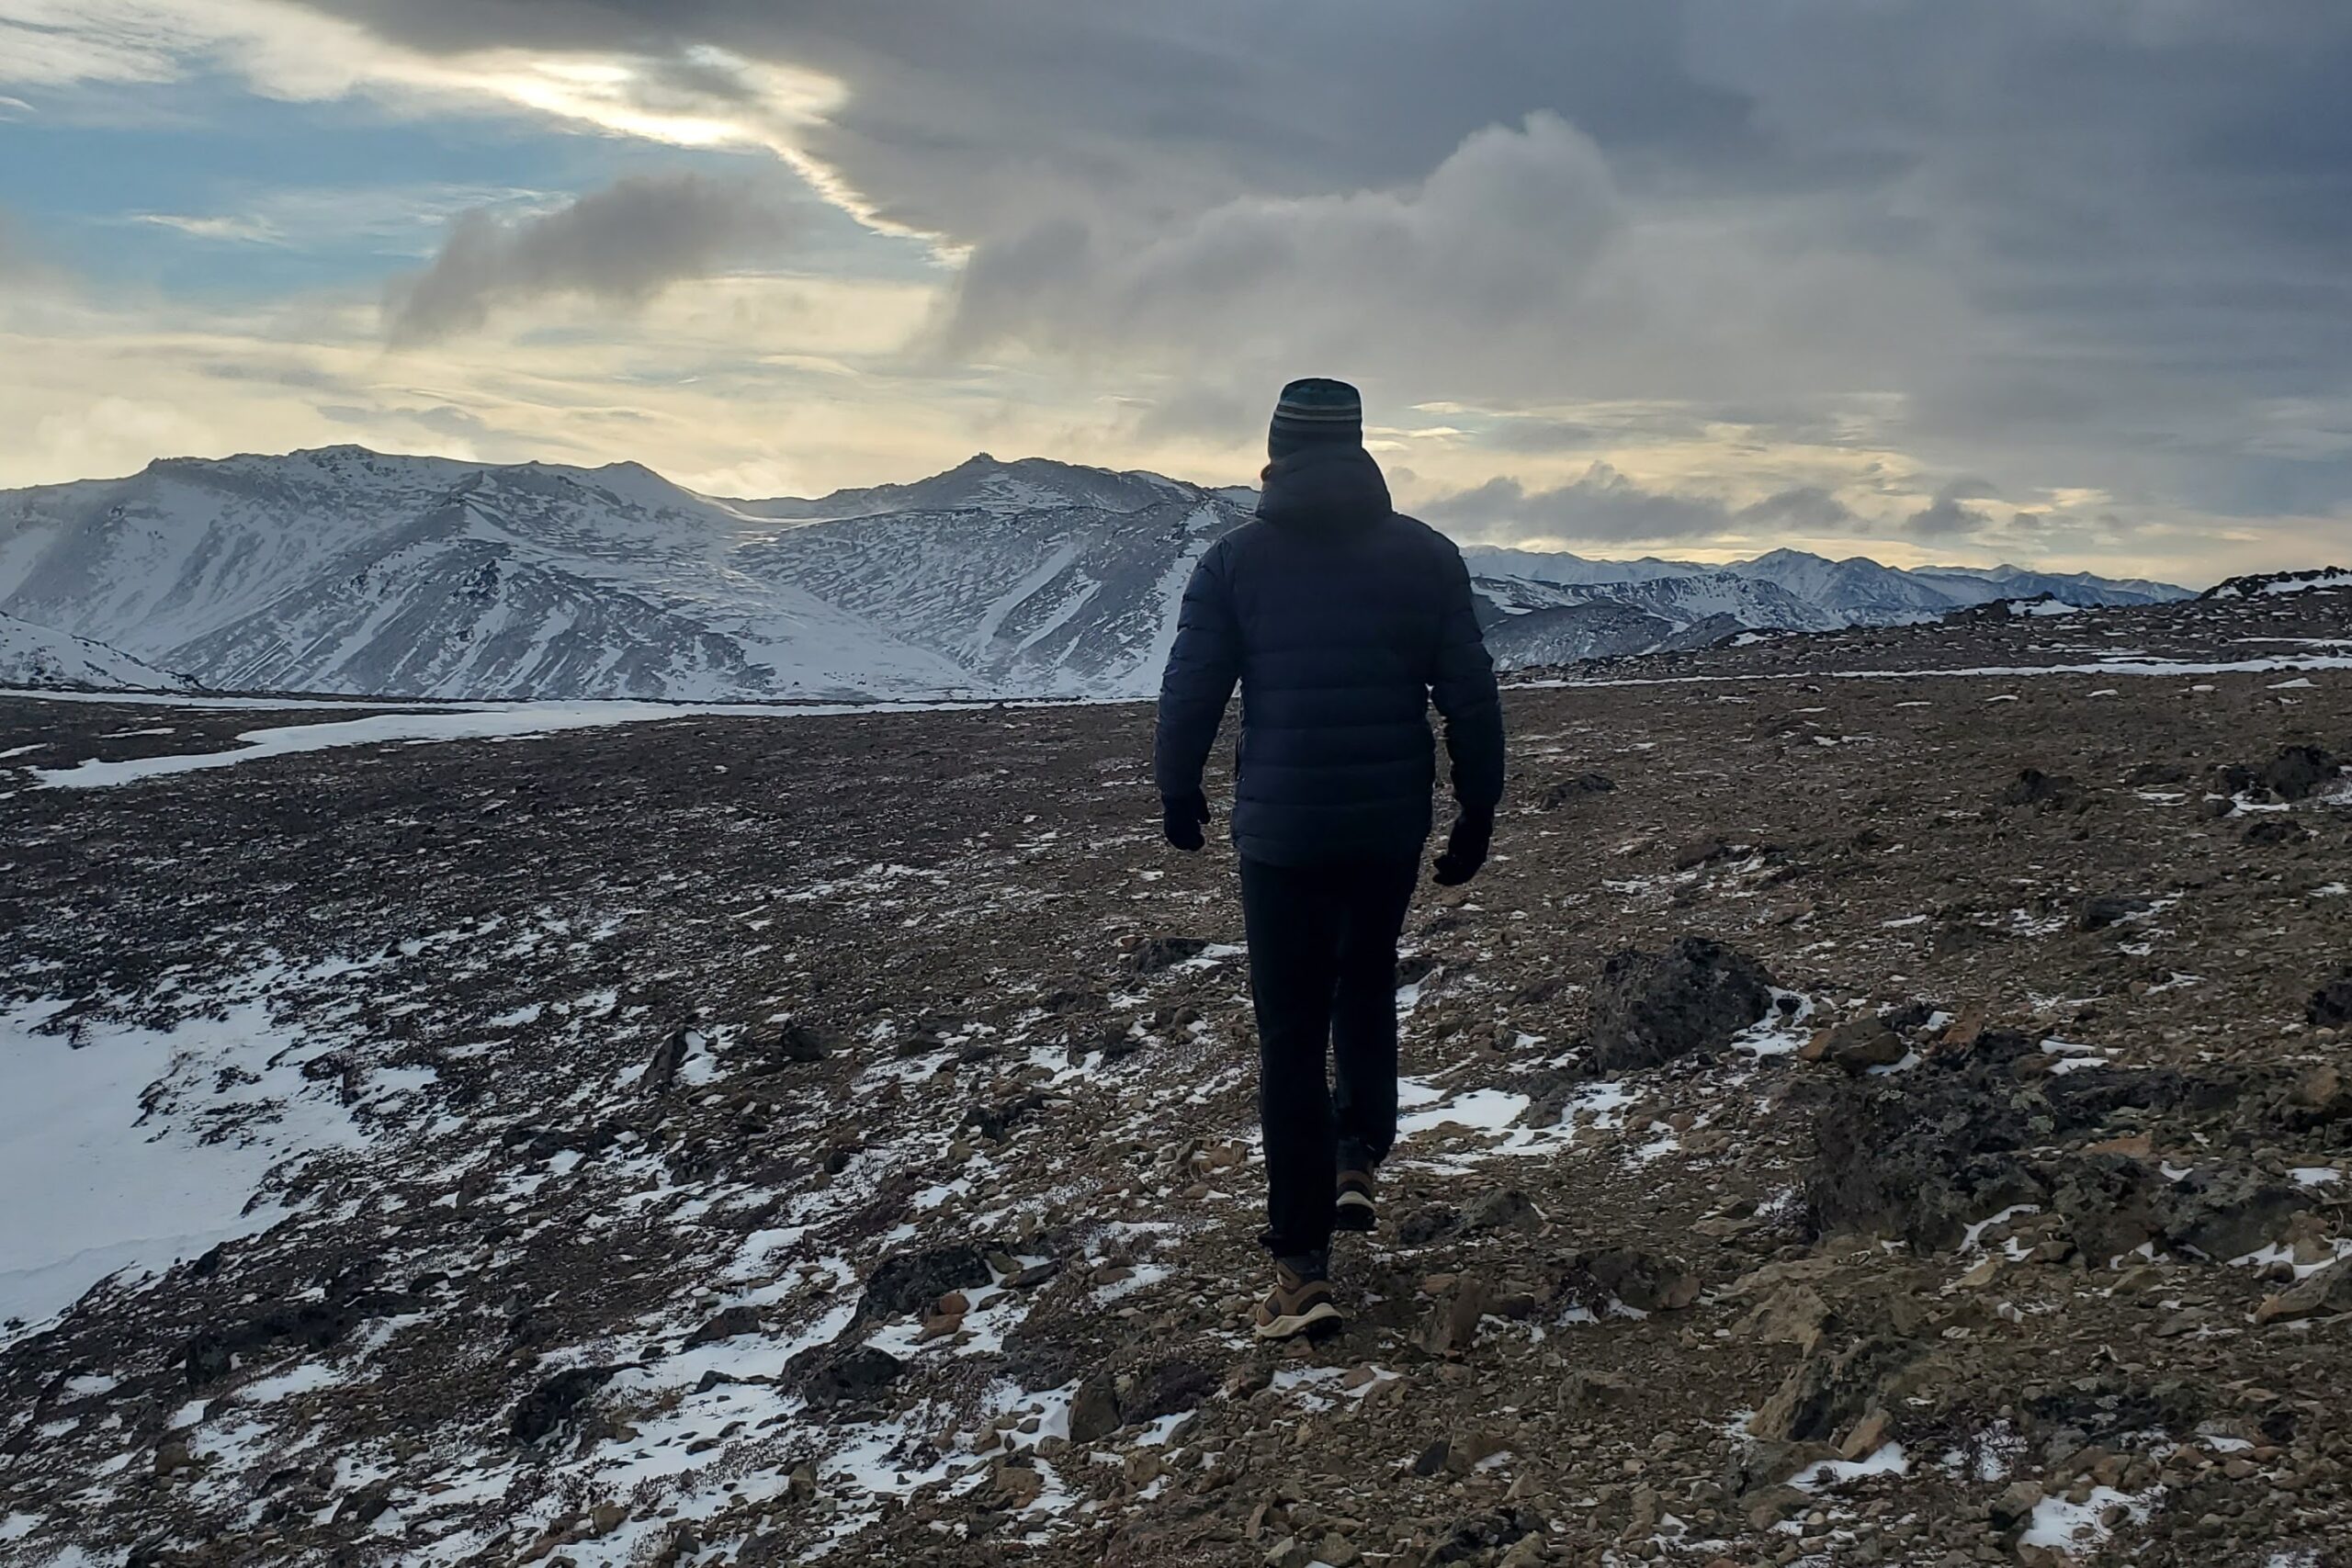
(1014, 1487)
(1866, 1438)
(2015, 1504)
(1861, 1044)
(1984, 1274)
(1453, 1327)
(1524, 1552)
(1504, 1208)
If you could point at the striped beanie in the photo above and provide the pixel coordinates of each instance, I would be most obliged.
(1316, 411)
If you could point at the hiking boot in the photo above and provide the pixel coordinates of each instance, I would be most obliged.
(1301, 1300)
(1355, 1210)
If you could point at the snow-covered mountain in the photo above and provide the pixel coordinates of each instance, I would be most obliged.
(38, 656)
(1033, 577)
(348, 570)
(1563, 634)
(1564, 567)
(1531, 621)
(1681, 600)
(2081, 587)
(1857, 590)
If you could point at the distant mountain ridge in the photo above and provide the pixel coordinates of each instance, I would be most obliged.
(351, 571)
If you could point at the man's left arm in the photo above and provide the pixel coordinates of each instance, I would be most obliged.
(1462, 684)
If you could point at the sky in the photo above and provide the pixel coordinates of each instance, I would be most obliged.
(2063, 284)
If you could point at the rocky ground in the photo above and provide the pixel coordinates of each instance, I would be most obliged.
(1894, 1120)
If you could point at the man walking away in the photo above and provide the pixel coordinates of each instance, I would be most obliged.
(1341, 621)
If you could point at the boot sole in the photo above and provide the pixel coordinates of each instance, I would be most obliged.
(1355, 1214)
(1308, 1322)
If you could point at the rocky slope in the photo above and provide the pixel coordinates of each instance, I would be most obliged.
(37, 656)
(1895, 1119)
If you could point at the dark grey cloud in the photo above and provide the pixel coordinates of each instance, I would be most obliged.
(1601, 506)
(1947, 518)
(962, 116)
(1546, 436)
(2104, 245)
(1968, 487)
(1803, 509)
(622, 244)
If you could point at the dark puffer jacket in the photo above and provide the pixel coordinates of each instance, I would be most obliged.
(1342, 621)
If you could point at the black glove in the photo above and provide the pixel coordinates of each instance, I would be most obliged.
(1181, 817)
(1465, 847)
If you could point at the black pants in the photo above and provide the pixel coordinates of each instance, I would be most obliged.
(1323, 976)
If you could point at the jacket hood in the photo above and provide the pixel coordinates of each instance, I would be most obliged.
(1323, 487)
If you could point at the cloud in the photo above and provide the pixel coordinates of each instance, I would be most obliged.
(1503, 230)
(1947, 518)
(621, 245)
(1601, 506)
(1967, 487)
(226, 230)
(26, 268)
(1803, 509)
(2065, 248)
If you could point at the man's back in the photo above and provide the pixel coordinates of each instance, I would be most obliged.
(1341, 620)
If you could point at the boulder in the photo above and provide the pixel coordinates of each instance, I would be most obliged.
(1702, 852)
(1692, 1000)
(1858, 1044)
(547, 1406)
(2227, 1213)
(2101, 910)
(1150, 955)
(1644, 1281)
(1094, 1410)
(662, 1069)
(2331, 1005)
(2106, 1202)
(1826, 1393)
(1924, 1154)
(2322, 1294)
(1431, 1222)
(908, 1282)
(726, 1325)
(1502, 1208)
(1566, 790)
(834, 1374)
(2044, 792)
(2297, 772)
